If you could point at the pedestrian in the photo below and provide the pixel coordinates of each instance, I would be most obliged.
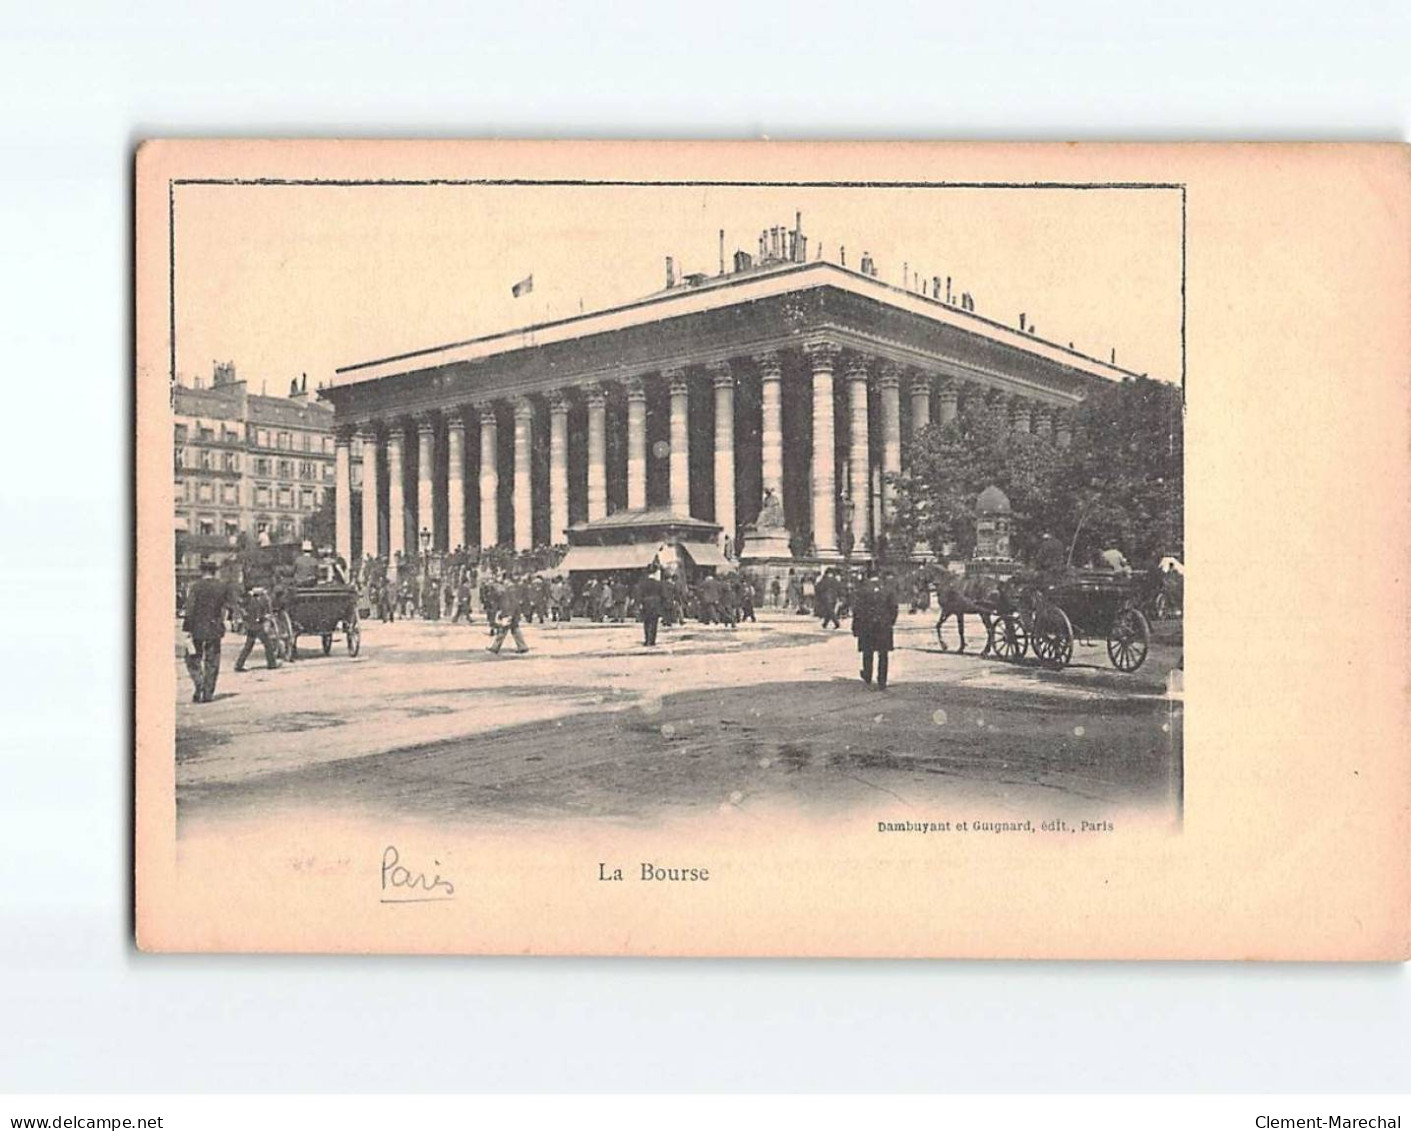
(651, 599)
(541, 599)
(874, 613)
(509, 609)
(463, 600)
(207, 602)
(560, 596)
(283, 622)
(747, 600)
(825, 599)
(774, 593)
(258, 613)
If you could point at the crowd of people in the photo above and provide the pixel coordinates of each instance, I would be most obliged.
(505, 591)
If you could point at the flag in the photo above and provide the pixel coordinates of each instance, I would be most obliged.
(523, 287)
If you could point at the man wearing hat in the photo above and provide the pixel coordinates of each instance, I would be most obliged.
(306, 566)
(874, 614)
(258, 612)
(651, 599)
(206, 603)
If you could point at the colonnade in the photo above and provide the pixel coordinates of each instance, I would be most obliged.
(871, 450)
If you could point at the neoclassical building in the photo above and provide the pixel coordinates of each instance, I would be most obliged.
(783, 378)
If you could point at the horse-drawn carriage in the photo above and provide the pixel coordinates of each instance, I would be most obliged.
(326, 609)
(1047, 617)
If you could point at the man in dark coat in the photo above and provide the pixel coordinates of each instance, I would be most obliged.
(651, 599)
(206, 603)
(508, 612)
(825, 598)
(258, 613)
(874, 613)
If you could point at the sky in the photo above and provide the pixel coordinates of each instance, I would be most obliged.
(285, 280)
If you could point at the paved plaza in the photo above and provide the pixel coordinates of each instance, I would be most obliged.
(591, 724)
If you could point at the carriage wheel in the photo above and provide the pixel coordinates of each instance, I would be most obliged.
(1129, 640)
(1053, 637)
(1008, 640)
(327, 643)
(355, 636)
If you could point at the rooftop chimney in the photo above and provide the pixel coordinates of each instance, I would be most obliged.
(722, 251)
(670, 273)
(1021, 320)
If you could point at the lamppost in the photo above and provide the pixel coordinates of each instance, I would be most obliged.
(425, 537)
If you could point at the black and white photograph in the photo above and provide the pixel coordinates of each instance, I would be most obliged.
(529, 501)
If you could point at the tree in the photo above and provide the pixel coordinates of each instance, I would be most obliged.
(1119, 483)
(319, 526)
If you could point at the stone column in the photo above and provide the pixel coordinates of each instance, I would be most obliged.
(396, 503)
(920, 402)
(636, 444)
(597, 452)
(680, 463)
(371, 545)
(823, 472)
(723, 378)
(489, 477)
(889, 388)
(949, 402)
(558, 468)
(1043, 420)
(1063, 427)
(343, 496)
(425, 475)
(859, 452)
(523, 488)
(771, 376)
(1019, 418)
(455, 481)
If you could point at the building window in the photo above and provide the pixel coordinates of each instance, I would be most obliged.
(229, 493)
(206, 433)
(180, 458)
(286, 498)
(231, 461)
(261, 465)
(262, 496)
(284, 441)
(205, 459)
(230, 435)
(181, 433)
(308, 442)
(207, 526)
(328, 471)
(262, 438)
(232, 528)
(204, 494)
(328, 445)
(286, 469)
(306, 499)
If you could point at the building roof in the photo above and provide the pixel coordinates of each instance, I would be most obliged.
(721, 293)
(639, 519)
(992, 501)
(302, 412)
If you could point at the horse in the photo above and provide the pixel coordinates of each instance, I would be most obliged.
(977, 595)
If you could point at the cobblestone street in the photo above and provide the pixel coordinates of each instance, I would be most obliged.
(591, 724)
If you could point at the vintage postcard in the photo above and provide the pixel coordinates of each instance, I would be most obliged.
(773, 549)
